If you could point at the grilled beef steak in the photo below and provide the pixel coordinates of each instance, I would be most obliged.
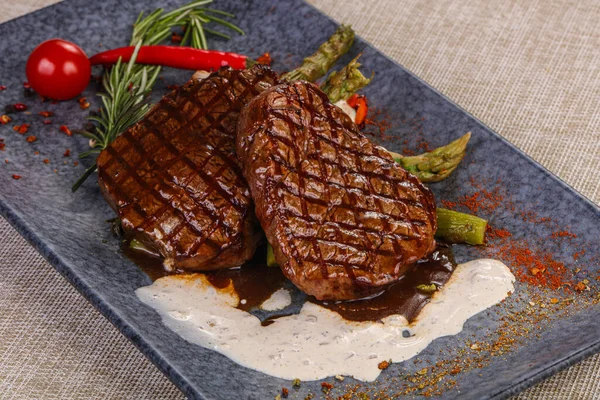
(343, 218)
(173, 177)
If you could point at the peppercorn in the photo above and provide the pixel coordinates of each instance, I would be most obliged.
(10, 109)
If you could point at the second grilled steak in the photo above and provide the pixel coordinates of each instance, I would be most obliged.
(343, 218)
(173, 177)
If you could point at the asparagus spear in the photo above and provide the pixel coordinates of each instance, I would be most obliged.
(457, 227)
(453, 227)
(437, 164)
(317, 65)
(271, 261)
(344, 83)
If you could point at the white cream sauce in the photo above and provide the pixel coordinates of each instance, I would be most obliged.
(278, 301)
(343, 104)
(317, 342)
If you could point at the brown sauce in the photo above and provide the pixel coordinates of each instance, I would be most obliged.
(254, 282)
(403, 297)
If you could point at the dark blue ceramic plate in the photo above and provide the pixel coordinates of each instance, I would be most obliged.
(70, 230)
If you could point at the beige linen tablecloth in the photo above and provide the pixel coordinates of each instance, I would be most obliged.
(529, 69)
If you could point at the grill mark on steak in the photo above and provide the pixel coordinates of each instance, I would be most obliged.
(344, 219)
(174, 177)
(202, 237)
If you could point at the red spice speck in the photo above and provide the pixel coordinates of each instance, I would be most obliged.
(423, 145)
(492, 233)
(2, 146)
(449, 204)
(563, 234)
(380, 121)
(16, 177)
(578, 254)
(5, 119)
(326, 387)
(67, 153)
(20, 107)
(31, 139)
(537, 268)
(75, 163)
(6, 160)
(47, 122)
(46, 114)
(66, 130)
(22, 129)
(265, 59)
(83, 103)
(2, 87)
(46, 161)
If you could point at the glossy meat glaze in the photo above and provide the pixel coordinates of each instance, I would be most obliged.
(344, 219)
(174, 180)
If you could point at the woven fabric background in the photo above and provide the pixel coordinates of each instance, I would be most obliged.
(529, 69)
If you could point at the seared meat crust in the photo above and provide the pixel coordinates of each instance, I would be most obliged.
(174, 180)
(343, 218)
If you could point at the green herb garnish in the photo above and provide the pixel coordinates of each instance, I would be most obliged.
(128, 86)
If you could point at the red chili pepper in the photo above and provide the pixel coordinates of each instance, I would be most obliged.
(174, 56)
(359, 103)
(352, 100)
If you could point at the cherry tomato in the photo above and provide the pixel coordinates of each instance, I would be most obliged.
(58, 69)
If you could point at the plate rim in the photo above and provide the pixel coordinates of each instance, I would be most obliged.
(19, 223)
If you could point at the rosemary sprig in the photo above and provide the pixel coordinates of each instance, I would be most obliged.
(128, 86)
